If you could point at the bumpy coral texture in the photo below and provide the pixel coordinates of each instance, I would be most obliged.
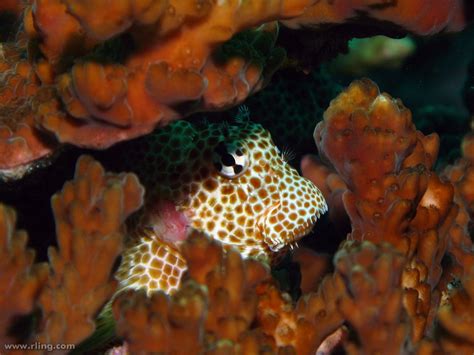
(227, 304)
(389, 275)
(374, 275)
(424, 17)
(214, 307)
(332, 186)
(172, 71)
(392, 194)
(152, 62)
(69, 291)
(20, 279)
(461, 174)
(21, 143)
(456, 318)
(89, 214)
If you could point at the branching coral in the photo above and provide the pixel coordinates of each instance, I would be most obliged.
(374, 298)
(152, 62)
(461, 247)
(456, 318)
(21, 144)
(229, 304)
(332, 186)
(420, 16)
(213, 309)
(305, 325)
(153, 324)
(20, 279)
(173, 70)
(89, 214)
(392, 195)
(140, 96)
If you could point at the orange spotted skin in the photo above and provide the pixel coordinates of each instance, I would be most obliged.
(229, 181)
(152, 265)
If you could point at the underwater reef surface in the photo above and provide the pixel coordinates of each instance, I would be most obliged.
(144, 209)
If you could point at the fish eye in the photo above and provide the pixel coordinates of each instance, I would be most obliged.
(230, 160)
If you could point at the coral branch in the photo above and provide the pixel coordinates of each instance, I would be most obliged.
(177, 65)
(456, 318)
(20, 280)
(424, 17)
(392, 195)
(374, 298)
(215, 306)
(155, 324)
(22, 145)
(89, 214)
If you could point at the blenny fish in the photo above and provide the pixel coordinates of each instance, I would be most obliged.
(227, 180)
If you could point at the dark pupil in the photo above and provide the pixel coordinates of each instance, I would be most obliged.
(238, 169)
(228, 160)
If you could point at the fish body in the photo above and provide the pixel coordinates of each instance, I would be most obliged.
(227, 180)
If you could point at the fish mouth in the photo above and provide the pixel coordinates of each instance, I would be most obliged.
(300, 232)
(286, 239)
(304, 228)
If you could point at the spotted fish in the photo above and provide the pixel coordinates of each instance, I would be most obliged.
(227, 180)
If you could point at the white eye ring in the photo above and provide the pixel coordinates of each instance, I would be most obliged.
(229, 160)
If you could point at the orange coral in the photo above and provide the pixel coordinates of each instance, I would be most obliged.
(14, 6)
(461, 174)
(230, 285)
(365, 291)
(392, 194)
(332, 187)
(388, 167)
(89, 214)
(153, 324)
(227, 304)
(173, 70)
(456, 318)
(307, 324)
(21, 144)
(313, 267)
(216, 314)
(375, 300)
(169, 65)
(420, 16)
(20, 280)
